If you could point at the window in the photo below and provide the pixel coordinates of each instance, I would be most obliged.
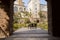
(21, 9)
(35, 8)
(29, 9)
(15, 9)
(35, 11)
(24, 8)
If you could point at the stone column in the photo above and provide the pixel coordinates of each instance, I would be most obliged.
(7, 6)
(49, 5)
(54, 17)
(11, 13)
(4, 19)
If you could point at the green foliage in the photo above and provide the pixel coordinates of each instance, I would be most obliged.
(16, 17)
(43, 25)
(27, 14)
(27, 21)
(17, 26)
(41, 15)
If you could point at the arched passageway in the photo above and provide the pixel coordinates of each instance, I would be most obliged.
(7, 5)
(30, 15)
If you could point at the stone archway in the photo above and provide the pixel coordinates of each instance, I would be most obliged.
(8, 8)
(6, 17)
(49, 5)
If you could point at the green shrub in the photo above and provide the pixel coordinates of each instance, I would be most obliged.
(15, 26)
(43, 25)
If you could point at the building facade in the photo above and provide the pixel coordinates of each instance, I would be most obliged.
(34, 7)
(44, 8)
(19, 6)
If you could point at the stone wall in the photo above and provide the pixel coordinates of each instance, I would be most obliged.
(6, 18)
(49, 16)
(3, 23)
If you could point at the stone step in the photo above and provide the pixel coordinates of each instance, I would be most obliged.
(26, 39)
(30, 36)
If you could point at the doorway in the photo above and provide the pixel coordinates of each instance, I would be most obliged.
(30, 14)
